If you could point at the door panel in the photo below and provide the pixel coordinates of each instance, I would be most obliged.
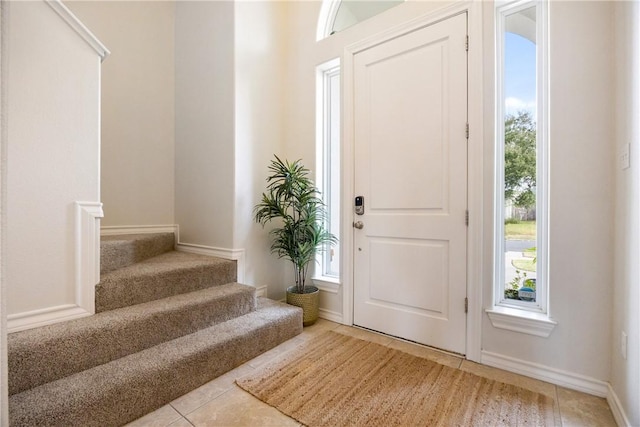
(411, 167)
(410, 258)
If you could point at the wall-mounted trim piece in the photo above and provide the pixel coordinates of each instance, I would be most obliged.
(522, 321)
(86, 274)
(46, 316)
(326, 18)
(545, 373)
(333, 316)
(138, 229)
(261, 291)
(237, 255)
(617, 409)
(324, 285)
(79, 28)
(87, 253)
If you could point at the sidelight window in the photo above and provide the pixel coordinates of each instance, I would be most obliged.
(328, 163)
(521, 209)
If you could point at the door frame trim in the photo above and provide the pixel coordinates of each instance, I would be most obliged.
(474, 165)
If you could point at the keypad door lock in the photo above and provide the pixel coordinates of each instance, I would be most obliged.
(359, 205)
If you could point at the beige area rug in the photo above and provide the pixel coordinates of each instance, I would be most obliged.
(337, 380)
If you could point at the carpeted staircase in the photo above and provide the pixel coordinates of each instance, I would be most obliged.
(166, 323)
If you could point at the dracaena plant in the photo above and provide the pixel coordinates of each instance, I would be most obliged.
(292, 200)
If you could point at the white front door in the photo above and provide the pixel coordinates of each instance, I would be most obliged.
(410, 115)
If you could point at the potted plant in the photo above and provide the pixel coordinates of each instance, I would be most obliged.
(292, 199)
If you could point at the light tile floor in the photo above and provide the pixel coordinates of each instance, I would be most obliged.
(222, 403)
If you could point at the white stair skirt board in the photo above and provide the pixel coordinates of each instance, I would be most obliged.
(87, 274)
(545, 373)
(237, 255)
(46, 316)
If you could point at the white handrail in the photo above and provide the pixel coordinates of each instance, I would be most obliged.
(79, 28)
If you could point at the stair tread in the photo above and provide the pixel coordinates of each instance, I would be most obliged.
(161, 276)
(159, 264)
(129, 387)
(118, 251)
(41, 355)
(131, 237)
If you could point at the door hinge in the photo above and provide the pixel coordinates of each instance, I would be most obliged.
(466, 217)
(466, 131)
(466, 43)
(466, 304)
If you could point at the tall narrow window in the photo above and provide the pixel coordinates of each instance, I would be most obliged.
(328, 163)
(521, 161)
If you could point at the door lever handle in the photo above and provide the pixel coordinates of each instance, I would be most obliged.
(358, 224)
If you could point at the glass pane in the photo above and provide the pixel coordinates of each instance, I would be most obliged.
(520, 151)
(332, 174)
(351, 12)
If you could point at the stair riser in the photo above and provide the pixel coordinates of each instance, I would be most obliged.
(128, 388)
(137, 290)
(38, 357)
(115, 254)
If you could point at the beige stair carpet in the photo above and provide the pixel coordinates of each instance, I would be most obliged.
(339, 380)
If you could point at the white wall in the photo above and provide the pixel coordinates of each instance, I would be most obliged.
(137, 108)
(581, 196)
(260, 65)
(204, 163)
(4, 382)
(625, 373)
(52, 154)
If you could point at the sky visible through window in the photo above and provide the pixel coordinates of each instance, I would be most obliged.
(520, 227)
(519, 74)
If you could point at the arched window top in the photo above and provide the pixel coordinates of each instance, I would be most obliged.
(522, 23)
(336, 15)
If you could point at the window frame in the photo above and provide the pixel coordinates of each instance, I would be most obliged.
(326, 181)
(541, 305)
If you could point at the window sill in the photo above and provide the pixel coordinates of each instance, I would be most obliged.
(522, 321)
(327, 284)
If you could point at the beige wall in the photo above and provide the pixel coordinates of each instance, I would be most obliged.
(53, 84)
(137, 177)
(625, 372)
(260, 64)
(205, 102)
(4, 365)
(581, 197)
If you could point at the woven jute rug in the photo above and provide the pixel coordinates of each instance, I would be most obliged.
(337, 380)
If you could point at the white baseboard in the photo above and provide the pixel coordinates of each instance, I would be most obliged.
(545, 373)
(618, 411)
(261, 291)
(237, 255)
(45, 316)
(111, 230)
(333, 316)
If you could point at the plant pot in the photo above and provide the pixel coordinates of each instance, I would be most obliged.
(309, 301)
